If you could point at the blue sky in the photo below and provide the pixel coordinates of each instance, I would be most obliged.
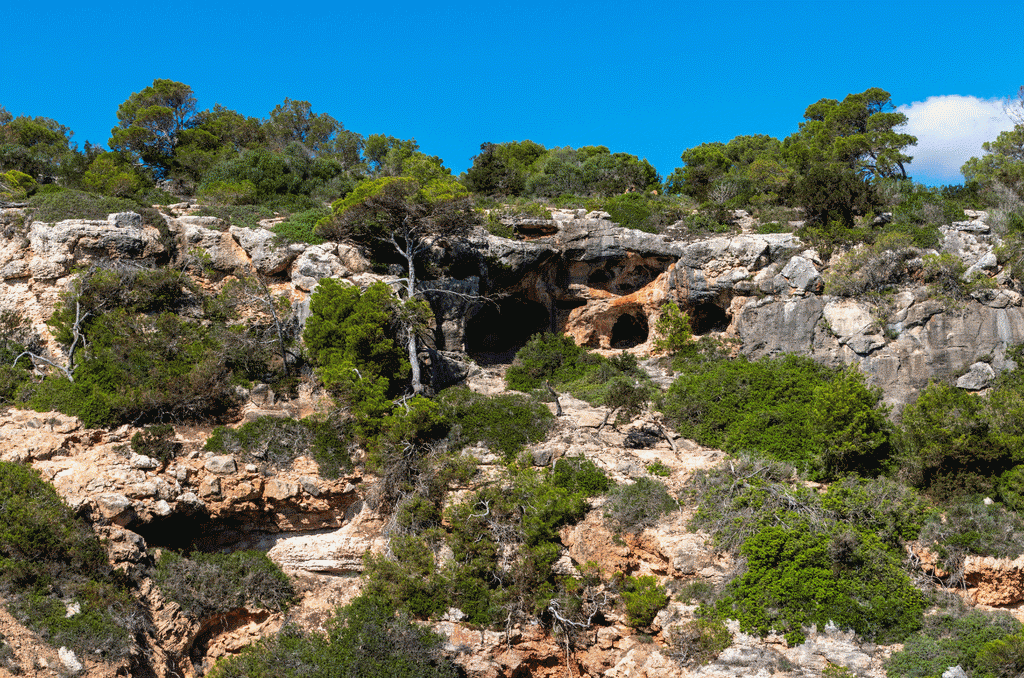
(651, 78)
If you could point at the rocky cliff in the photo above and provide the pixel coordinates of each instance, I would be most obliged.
(578, 274)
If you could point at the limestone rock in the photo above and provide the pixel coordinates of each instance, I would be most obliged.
(221, 464)
(978, 377)
(268, 257)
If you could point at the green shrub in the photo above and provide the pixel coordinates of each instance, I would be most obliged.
(49, 559)
(1002, 657)
(247, 216)
(579, 475)
(365, 638)
(954, 445)
(696, 590)
(631, 508)
(275, 442)
(674, 333)
(209, 584)
(797, 577)
(631, 210)
(872, 268)
(228, 193)
(547, 356)
(299, 227)
(505, 423)
(659, 469)
(644, 598)
(68, 204)
(950, 640)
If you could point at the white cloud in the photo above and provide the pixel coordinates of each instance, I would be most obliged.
(950, 129)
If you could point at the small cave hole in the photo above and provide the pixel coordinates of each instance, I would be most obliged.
(497, 331)
(599, 277)
(629, 331)
(708, 317)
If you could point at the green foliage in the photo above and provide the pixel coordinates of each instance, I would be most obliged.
(150, 123)
(674, 333)
(57, 206)
(630, 210)
(50, 558)
(111, 174)
(978, 642)
(872, 268)
(228, 192)
(945, 273)
(210, 584)
(797, 577)
(505, 423)
(953, 443)
(274, 442)
(300, 227)
(659, 469)
(785, 409)
(631, 508)
(579, 475)
(364, 639)
(852, 425)
(643, 597)
(736, 500)
(16, 186)
(547, 356)
(1002, 657)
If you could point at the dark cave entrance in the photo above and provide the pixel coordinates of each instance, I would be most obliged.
(629, 331)
(708, 317)
(187, 532)
(497, 331)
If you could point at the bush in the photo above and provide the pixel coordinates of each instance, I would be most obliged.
(631, 508)
(247, 216)
(579, 475)
(50, 558)
(275, 442)
(824, 421)
(156, 442)
(972, 641)
(209, 584)
(505, 423)
(643, 597)
(700, 641)
(228, 193)
(547, 356)
(972, 527)
(299, 227)
(68, 204)
(953, 444)
(365, 638)
(797, 577)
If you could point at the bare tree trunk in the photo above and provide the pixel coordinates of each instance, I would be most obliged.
(414, 361)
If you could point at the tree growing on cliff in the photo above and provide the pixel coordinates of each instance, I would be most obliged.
(150, 124)
(405, 216)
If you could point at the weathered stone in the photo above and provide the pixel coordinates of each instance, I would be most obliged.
(978, 377)
(268, 257)
(276, 489)
(141, 461)
(221, 464)
(802, 275)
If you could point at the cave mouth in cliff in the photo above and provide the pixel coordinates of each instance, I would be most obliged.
(189, 532)
(708, 317)
(629, 331)
(498, 330)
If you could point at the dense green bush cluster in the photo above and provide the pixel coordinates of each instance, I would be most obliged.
(633, 507)
(505, 423)
(504, 540)
(617, 382)
(797, 577)
(985, 645)
(208, 584)
(50, 559)
(141, 350)
(793, 409)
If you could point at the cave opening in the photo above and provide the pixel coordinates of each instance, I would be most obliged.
(708, 317)
(188, 532)
(629, 331)
(497, 331)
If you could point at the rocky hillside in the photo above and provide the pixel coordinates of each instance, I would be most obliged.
(577, 274)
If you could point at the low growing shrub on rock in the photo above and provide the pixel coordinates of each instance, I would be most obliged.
(275, 442)
(50, 559)
(982, 643)
(208, 584)
(631, 508)
(644, 598)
